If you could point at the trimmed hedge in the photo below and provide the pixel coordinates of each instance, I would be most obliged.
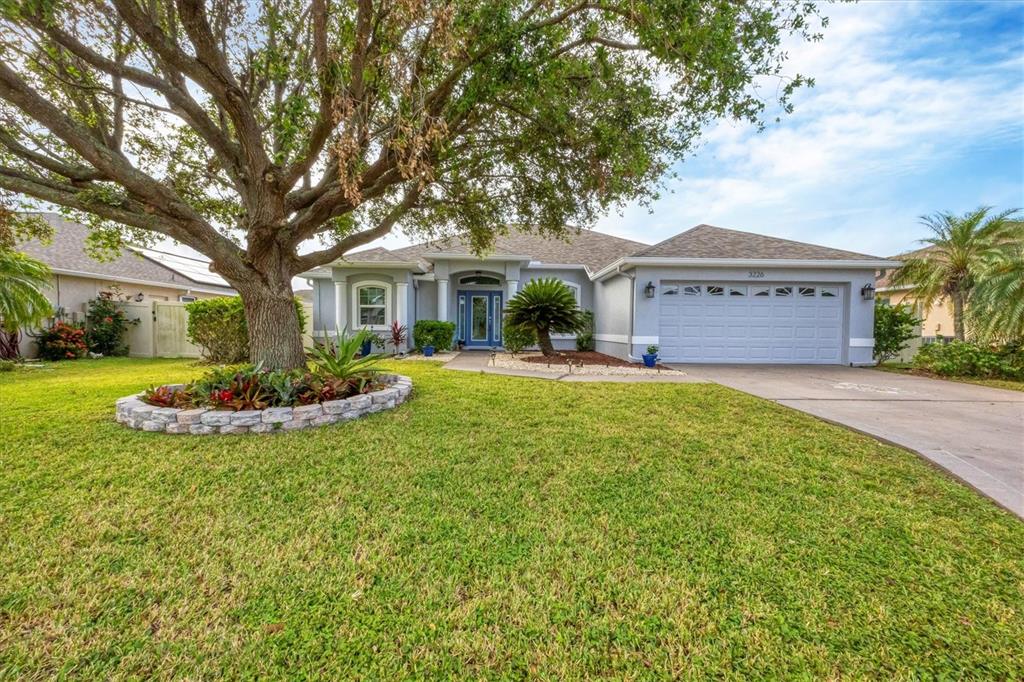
(218, 327)
(434, 333)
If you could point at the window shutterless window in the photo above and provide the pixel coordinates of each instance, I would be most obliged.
(737, 291)
(714, 290)
(372, 303)
(783, 291)
(829, 292)
(807, 292)
(691, 290)
(762, 291)
(670, 290)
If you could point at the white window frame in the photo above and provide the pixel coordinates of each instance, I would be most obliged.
(578, 293)
(388, 311)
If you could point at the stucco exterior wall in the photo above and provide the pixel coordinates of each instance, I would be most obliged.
(936, 321)
(611, 315)
(858, 328)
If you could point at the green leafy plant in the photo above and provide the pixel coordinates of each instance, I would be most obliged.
(547, 306)
(62, 341)
(894, 327)
(517, 337)
(339, 358)
(996, 310)
(8, 365)
(437, 333)
(585, 336)
(964, 359)
(22, 303)
(106, 324)
(652, 350)
(218, 326)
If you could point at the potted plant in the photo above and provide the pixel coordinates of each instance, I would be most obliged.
(428, 351)
(651, 356)
(369, 341)
(397, 333)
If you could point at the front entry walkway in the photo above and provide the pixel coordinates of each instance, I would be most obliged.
(974, 432)
(480, 361)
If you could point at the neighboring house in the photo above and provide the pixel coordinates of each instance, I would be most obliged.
(936, 320)
(706, 295)
(141, 274)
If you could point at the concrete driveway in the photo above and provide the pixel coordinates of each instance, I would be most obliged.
(974, 432)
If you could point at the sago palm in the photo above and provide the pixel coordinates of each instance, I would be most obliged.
(22, 280)
(547, 306)
(960, 248)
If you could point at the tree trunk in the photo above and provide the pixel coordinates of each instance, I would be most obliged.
(544, 341)
(958, 315)
(275, 336)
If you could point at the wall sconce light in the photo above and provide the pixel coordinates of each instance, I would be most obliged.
(139, 296)
(867, 292)
(649, 290)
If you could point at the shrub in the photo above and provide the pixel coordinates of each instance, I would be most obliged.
(436, 333)
(106, 325)
(8, 365)
(62, 341)
(585, 337)
(218, 327)
(894, 326)
(963, 359)
(517, 337)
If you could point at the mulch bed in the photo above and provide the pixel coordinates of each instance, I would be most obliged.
(585, 357)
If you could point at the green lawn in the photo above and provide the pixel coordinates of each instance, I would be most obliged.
(491, 527)
(908, 368)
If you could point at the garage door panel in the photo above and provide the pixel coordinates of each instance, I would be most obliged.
(736, 328)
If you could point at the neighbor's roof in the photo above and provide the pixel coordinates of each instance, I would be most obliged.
(583, 247)
(885, 281)
(66, 254)
(708, 241)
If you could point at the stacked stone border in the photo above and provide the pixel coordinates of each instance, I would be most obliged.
(135, 414)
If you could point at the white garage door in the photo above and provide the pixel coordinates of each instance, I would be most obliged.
(723, 322)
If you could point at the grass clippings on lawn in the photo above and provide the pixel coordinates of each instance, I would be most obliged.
(492, 527)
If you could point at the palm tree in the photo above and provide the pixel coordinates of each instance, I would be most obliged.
(22, 302)
(959, 249)
(997, 303)
(545, 305)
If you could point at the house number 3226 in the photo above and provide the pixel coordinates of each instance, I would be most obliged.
(755, 274)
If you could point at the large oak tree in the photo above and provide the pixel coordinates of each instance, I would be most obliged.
(246, 128)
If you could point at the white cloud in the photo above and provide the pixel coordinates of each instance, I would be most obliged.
(876, 118)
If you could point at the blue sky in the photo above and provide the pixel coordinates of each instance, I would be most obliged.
(918, 107)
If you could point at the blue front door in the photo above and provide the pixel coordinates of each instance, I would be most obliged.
(480, 318)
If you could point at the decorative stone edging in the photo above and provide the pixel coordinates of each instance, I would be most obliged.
(135, 414)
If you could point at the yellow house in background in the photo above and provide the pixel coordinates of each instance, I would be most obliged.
(936, 321)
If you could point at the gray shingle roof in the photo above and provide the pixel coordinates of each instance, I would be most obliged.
(708, 241)
(374, 255)
(589, 248)
(67, 252)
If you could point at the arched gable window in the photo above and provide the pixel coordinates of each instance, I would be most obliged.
(480, 279)
(371, 303)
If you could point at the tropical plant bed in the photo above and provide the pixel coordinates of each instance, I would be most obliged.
(577, 362)
(389, 391)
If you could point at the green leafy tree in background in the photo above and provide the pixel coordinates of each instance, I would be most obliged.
(548, 307)
(245, 130)
(894, 327)
(996, 310)
(961, 251)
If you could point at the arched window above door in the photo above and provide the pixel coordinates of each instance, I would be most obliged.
(480, 279)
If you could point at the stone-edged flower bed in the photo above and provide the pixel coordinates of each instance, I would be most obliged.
(136, 414)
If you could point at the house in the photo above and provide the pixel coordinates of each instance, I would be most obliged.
(936, 320)
(141, 274)
(708, 294)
